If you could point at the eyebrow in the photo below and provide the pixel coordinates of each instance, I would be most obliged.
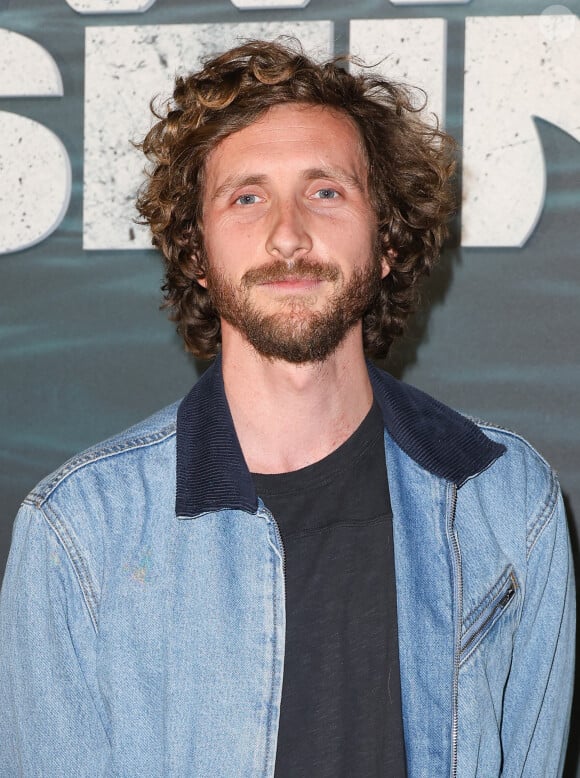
(334, 174)
(234, 182)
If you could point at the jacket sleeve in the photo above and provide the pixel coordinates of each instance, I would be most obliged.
(50, 724)
(539, 691)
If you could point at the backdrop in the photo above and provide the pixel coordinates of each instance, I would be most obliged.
(84, 349)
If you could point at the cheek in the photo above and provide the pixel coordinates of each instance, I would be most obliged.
(225, 234)
(229, 253)
(217, 245)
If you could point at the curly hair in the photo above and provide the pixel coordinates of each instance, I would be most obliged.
(410, 166)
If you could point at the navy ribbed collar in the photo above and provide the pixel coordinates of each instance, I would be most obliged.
(212, 473)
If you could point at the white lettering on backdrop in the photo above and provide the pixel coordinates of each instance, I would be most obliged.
(35, 171)
(409, 50)
(110, 6)
(28, 70)
(268, 5)
(516, 67)
(139, 6)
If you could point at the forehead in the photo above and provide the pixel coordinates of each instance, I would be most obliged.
(292, 136)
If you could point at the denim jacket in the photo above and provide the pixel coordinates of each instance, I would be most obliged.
(142, 614)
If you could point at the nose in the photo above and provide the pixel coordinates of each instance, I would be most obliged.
(288, 235)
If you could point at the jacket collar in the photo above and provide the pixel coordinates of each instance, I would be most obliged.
(212, 473)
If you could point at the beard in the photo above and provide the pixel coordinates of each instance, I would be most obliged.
(296, 333)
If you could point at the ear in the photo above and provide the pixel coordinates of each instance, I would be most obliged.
(387, 261)
(201, 279)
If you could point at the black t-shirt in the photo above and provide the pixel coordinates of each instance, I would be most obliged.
(341, 701)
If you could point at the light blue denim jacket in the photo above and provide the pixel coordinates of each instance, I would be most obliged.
(142, 614)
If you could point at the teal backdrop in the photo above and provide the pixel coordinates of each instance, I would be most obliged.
(85, 350)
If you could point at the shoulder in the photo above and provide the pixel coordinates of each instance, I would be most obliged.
(493, 467)
(98, 509)
(115, 459)
(521, 458)
(453, 444)
(522, 482)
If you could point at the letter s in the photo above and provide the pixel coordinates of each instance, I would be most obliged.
(35, 170)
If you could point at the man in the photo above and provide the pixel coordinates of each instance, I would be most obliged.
(307, 568)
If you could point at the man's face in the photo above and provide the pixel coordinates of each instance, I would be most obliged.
(289, 232)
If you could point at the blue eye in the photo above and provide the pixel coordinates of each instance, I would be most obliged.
(327, 194)
(247, 199)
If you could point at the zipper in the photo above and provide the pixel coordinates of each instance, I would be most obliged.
(264, 513)
(458, 616)
(504, 599)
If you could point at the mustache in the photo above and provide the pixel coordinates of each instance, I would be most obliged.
(278, 270)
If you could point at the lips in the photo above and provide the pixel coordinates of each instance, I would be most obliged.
(293, 283)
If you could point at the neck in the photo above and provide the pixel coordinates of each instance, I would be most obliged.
(288, 416)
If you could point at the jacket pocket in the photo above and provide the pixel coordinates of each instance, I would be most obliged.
(483, 618)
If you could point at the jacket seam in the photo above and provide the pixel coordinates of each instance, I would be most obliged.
(545, 515)
(270, 712)
(77, 561)
(37, 498)
(492, 427)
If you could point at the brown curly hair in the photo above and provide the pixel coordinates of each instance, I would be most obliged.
(410, 164)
